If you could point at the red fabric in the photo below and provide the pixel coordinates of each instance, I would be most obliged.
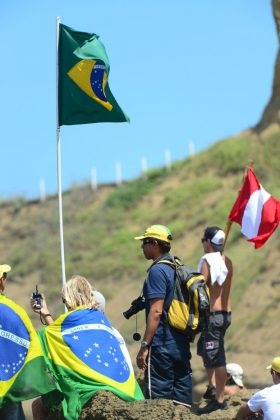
(270, 213)
(250, 185)
(270, 221)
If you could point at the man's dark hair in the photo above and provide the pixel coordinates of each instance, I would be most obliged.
(164, 246)
(231, 381)
(211, 231)
(277, 373)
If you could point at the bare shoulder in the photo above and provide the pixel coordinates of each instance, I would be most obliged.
(228, 263)
(205, 270)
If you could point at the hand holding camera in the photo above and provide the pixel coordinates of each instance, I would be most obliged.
(38, 303)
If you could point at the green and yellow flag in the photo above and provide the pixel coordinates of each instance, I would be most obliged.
(23, 371)
(84, 95)
(84, 356)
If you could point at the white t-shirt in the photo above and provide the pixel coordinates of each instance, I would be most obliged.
(267, 400)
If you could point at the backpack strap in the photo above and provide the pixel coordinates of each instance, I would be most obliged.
(174, 262)
(168, 262)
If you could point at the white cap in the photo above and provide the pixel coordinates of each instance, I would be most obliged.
(236, 372)
(100, 299)
(4, 268)
(218, 238)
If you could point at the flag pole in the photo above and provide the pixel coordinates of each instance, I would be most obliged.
(229, 222)
(227, 230)
(59, 163)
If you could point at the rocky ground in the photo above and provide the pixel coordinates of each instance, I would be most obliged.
(106, 406)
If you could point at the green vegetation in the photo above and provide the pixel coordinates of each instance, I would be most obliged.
(231, 156)
(99, 228)
(129, 194)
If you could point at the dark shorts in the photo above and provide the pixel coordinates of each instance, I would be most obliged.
(210, 345)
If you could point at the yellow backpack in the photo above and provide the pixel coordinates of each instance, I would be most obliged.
(190, 306)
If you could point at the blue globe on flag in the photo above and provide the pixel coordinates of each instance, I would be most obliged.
(92, 339)
(14, 343)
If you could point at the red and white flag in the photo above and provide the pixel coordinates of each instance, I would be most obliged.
(257, 212)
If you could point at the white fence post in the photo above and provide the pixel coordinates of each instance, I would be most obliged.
(93, 179)
(42, 190)
(118, 173)
(144, 166)
(168, 159)
(191, 148)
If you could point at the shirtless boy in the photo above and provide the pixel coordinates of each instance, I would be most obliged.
(217, 270)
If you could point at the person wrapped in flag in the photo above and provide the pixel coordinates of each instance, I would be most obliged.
(23, 371)
(82, 352)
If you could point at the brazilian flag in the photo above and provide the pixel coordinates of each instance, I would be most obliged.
(84, 95)
(84, 356)
(23, 371)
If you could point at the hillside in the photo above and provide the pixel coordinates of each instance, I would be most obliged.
(99, 228)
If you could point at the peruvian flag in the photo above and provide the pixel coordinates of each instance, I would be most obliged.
(257, 212)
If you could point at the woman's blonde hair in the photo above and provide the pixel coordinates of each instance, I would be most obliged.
(78, 292)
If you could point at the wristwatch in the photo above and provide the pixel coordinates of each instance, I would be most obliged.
(144, 344)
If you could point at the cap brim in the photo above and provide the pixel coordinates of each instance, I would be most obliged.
(139, 237)
(238, 381)
(269, 367)
(5, 268)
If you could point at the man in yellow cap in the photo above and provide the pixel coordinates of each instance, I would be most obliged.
(267, 400)
(164, 354)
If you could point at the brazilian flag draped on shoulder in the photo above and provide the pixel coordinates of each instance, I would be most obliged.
(23, 371)
(84, 356)
(84, 95)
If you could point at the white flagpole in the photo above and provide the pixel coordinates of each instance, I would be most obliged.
(59, 163)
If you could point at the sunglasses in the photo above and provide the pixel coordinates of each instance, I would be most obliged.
(147, 241)
(5, 275)
(203, 240)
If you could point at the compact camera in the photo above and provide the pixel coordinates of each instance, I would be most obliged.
(38, 297)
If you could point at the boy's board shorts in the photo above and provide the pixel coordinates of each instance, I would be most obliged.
(210, 345)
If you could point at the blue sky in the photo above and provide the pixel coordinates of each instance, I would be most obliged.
(183, 70)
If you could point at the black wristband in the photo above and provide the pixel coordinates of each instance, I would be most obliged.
(44, 316)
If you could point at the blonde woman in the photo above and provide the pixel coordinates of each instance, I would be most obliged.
(75, 293)
(82, 352)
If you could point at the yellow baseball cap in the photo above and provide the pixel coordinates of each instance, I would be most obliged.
(4, 268)
(275, 364)
(158, 232)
